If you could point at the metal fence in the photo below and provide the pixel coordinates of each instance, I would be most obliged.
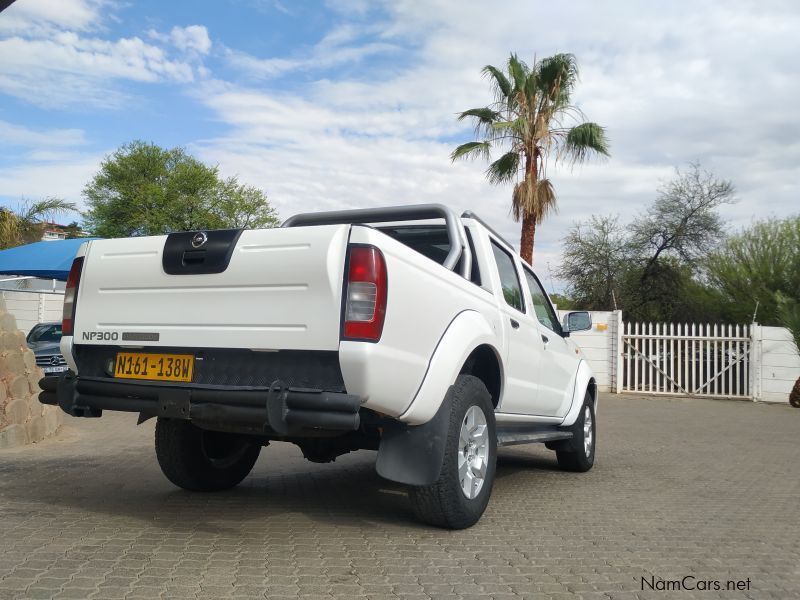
(686, 359)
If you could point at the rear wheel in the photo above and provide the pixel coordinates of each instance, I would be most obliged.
(577, 454)
(203, 461)
(459, 497)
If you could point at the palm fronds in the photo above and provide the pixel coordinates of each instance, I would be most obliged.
(584, 140)
(26, 224)
(504, 169)
(528, 121)
(501, 84)
(471, 150)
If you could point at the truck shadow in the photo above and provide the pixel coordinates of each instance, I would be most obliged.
(347, 494)
(284, 492)
(533, 457)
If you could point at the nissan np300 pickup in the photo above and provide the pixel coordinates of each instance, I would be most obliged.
(407, 330)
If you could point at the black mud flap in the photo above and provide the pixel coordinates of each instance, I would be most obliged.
(413, 454)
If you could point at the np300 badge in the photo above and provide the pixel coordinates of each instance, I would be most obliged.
(97, 336)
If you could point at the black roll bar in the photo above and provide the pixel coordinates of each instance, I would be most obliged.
(412, 212)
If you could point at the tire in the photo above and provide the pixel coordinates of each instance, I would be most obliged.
(444, 503)
(202, 461)
(575, 455)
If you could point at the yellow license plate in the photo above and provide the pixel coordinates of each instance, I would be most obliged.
(158, 367)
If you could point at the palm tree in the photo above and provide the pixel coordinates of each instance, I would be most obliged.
(26, 224)
(789, 315)
(530, 118)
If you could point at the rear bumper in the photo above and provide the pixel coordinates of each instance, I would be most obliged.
(277, 410)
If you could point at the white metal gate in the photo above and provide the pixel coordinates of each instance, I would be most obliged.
(686, 359)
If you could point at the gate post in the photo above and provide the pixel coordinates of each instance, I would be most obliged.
(40, 303)
(755, 361)
(618, 355)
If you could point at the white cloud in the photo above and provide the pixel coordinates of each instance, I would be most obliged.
(193, 38)
(673, 83)
(62, 175)
(343, 44)
(52, 54)
(12, 135)
(70, 69)
(190, 39)
(31, 16)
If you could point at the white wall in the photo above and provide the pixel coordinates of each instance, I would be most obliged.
(599, 345)
(777, 363)
(32, 307)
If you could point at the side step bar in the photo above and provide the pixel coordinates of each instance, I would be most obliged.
(512, 437)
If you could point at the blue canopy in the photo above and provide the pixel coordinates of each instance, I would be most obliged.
(49, 260)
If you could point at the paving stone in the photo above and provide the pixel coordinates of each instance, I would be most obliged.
(700, 487)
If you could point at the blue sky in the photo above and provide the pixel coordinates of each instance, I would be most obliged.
(349, 103)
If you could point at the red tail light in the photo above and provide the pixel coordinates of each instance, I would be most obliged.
(365, 295)
(71, 296)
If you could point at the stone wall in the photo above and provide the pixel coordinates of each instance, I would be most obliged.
(23, 419)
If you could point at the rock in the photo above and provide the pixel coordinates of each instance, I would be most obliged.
(29, 358)
(33, 381)
(12, 436)
(19, 387)
(23, 419)
(8, 322)
(36, 407)
(52, 420)
(12, 364)
(8, 341)
(37, 429)
(17, 411)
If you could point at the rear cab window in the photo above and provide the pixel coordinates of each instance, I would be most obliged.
(432, 242)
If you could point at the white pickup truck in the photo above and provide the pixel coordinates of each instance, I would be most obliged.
(407, 330)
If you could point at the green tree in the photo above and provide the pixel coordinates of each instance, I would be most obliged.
(683, 220)
(74, 230)
(654, 266)
(671, 239)
(531, 119)
(143, 189)
(563, 302)
(239, 205)
(595, 258)
(751, 269)
(26, 224)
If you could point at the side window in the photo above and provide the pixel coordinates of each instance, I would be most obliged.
(541, 306)
(512, 292)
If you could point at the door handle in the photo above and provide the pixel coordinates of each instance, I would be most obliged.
(515, 323)
(546, 340)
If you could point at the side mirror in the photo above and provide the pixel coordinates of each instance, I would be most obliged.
(576, 321)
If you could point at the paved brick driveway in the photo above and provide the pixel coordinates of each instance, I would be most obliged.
(704, 488)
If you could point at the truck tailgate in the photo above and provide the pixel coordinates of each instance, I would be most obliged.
(281, 290)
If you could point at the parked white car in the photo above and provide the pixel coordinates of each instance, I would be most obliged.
(407, 330)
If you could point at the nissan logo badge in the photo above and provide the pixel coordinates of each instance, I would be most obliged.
(199, 239)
